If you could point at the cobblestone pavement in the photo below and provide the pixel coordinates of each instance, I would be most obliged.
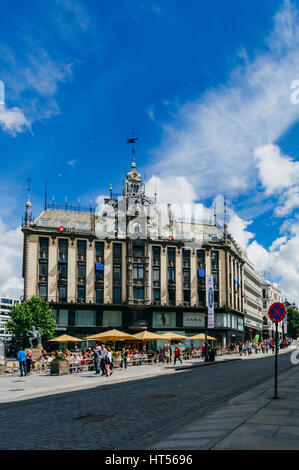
(128, 415)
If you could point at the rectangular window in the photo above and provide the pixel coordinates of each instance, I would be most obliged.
(240, 324)
(42, 290)
(186, 295)
(43, 244)
(43, 267)
(81, 292)
(186, 255)
(116, 294)
(215, 274)
(62, 294)
(138, 293)
(61, 317)
(99, 295)
(112, 318)
(99, 247)
(62, 246)
(81, 247)
(186, 275)
(164, 319)
(202, 298)
(99, 275)
(201, 258)
(215, 259)
(171, 275)
(138, 249)
(171, 253)
(117, 249)
(116, 271)
(84, 318)
(156, 252)
(62, 270)
(171, 296)
(81, 269)
(156, 294)
(234, 322)
(156, 273)
(138, 271)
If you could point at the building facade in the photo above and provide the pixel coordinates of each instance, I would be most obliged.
(252, 301)
(132, 266)
(6, 303)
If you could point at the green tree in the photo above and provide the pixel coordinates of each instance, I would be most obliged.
(293, 322)
(33, 312)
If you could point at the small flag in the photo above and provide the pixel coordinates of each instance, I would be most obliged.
(255, 339)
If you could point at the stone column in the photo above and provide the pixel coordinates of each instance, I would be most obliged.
(222, 278)
(31, 269)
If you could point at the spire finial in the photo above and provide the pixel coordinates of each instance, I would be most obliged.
(132, 141)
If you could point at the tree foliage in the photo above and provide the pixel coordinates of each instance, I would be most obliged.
(33, 312)
(293, 322)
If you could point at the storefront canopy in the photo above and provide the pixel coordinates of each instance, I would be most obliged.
(64, 339)
(111, 335)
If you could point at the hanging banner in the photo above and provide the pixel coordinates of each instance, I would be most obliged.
(285, 324)
(210, 302)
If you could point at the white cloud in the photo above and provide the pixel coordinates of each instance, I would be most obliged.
(13, 120)
(11, 250)
(276, 171)
(281, 260)
(212, 140)
(279, 174)
(72, 162)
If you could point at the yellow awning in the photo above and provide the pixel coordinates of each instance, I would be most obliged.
(111, 335)
(64, 339)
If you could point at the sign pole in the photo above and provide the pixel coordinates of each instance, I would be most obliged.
(276, 360)
(277, 313)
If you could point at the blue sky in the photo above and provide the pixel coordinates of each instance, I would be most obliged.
(205, 85)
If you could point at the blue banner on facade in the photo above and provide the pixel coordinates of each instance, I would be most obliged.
(201, 272)
(99, 267)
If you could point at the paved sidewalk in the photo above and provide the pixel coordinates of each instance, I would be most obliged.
(251, 421)
(15, 388)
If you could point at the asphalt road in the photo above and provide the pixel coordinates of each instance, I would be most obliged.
(129, 415)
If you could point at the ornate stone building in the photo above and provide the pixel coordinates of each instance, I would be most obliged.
(132, 266)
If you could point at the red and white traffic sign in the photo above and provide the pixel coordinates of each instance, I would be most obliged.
(277, 312)
(61, 229)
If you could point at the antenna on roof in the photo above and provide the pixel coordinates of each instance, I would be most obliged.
(215, 214)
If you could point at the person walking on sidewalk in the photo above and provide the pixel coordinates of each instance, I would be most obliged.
(22, 361)
(96, 360)
(103, 354)
(124, 358)
(29, 361)
(241, 348)
(177, 355)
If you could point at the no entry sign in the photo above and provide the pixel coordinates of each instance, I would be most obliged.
(277, 312)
